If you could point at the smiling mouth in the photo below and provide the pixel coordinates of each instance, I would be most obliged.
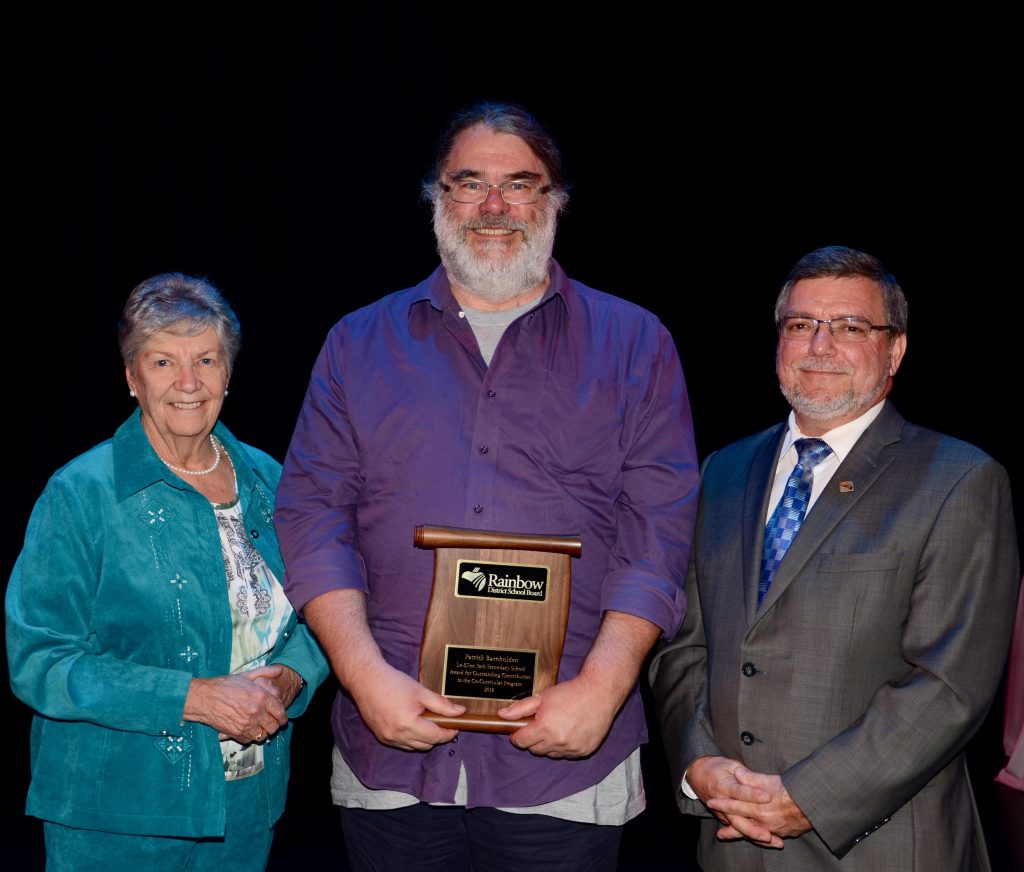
(493, 231)
(820, 369)
(187, 406)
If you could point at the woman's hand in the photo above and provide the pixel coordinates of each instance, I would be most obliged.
(239, 707)
(285, 686)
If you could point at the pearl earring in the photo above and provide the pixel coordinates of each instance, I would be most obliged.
(131, 393)
(225, 393)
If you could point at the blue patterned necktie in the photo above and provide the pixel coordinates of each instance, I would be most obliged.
(788, 516)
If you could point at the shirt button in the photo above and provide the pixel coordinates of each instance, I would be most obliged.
(478, 508)
(749, 669)
(747, 738)
(451, 752)
(491, 394)
(484, 449)
(462, 314)
(254, 534)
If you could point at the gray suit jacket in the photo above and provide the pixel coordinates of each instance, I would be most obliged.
(873, 659)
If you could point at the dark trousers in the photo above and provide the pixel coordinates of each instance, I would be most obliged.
(454, 839)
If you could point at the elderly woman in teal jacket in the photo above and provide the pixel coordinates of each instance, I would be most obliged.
(146, 624)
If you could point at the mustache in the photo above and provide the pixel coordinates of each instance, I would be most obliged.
(821, 365)
(495, 222)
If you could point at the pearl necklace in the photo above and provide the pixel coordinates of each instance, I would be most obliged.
(207, 471)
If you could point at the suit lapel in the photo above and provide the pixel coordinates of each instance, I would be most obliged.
(863, 467)
(755, 507)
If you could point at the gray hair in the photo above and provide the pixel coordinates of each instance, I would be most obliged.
(180, 304)
(501, 118)
(838, 261)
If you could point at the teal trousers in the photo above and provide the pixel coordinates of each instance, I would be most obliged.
(244, 848)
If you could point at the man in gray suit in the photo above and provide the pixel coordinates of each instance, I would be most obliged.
(819, 696)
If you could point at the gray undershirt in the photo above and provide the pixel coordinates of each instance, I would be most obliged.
(489, 327)
(617, 798)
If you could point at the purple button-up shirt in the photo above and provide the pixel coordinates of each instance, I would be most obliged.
(580, 424)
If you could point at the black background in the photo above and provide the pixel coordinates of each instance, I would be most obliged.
(280, 155)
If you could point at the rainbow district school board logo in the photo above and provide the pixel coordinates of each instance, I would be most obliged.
(502, 581)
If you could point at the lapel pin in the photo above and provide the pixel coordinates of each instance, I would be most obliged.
(846, 487)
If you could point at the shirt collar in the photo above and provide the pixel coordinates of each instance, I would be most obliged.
(840, 439)
(137, 465)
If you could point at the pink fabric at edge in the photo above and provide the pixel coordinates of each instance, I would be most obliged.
(1013, 722)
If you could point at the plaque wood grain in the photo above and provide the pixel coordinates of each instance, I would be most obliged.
(494, 624)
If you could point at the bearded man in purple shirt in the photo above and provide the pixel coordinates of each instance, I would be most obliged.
(496, 395)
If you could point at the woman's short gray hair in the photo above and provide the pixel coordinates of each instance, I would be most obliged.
(180, 304)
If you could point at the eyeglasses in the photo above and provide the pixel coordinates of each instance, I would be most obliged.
(518, 192)
(847, 329)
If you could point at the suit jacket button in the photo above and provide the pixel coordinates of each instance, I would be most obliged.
(747, 738)
(749, 669)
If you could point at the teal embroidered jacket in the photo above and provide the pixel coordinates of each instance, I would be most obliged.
(117, 601)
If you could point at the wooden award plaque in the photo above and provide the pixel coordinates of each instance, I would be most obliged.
(496, 624)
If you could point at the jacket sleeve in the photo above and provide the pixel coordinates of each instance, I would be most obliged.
(302, 653)
(678, 679)
(955, 638)
(57, 664)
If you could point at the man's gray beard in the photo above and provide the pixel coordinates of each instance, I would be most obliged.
(835, 407)
(504, 280)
